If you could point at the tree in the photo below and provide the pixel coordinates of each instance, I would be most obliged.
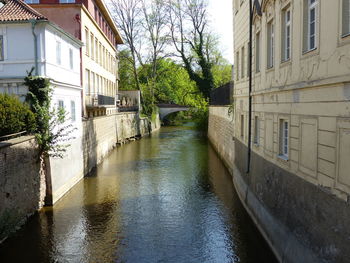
(189, 31)
(128, 18)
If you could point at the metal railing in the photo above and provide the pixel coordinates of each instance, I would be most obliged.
(105, 100)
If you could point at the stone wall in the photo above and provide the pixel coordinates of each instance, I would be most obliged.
(221, 133)
(102, 134)
(301, 221)
(22, 186)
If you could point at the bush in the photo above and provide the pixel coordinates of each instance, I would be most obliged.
(15, 116)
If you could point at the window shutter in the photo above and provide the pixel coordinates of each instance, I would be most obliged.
(305, 25)
(346, 17)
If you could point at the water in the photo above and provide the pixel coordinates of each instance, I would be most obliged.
(166, 198)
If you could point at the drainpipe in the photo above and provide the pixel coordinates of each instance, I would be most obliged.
(250, 86)
(251, 13)
(34, 22)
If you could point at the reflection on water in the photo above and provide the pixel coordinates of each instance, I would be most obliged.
(166, 198)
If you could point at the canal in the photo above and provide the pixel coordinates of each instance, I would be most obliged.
(165, 198)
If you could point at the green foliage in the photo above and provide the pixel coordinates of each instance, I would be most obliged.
(126, 74)
(51, 131)
(15, 116)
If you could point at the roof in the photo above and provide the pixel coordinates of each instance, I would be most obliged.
(17, 10)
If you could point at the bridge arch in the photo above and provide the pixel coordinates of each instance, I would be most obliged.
(166, 109)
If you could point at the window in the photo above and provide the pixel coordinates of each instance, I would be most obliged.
(284, 138)
(71, 64)
(96, 50)
(242, 63)
(92, 41)
(87, 42)
(242, 126)
(92, 85)
(32, 1)
(310, 28)
(60, 105)
(87, 81)
(286, 34)
(346, 18)
(66, 1)
(256, 130)
(1, 48)
(257, 53)
(72, 110)
(58, 52)
(270, 44)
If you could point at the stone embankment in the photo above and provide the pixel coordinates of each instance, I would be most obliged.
(302, 222)
(23, 185)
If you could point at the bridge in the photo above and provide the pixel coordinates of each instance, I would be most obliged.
(166, 109)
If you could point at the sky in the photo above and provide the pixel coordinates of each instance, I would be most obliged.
(221, 17)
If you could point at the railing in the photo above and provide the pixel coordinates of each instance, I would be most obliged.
(222, 95)
(11, 136)
(128, 108)
(105, 100)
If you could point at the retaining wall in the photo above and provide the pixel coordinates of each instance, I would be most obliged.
(301, 221)
(22, 186)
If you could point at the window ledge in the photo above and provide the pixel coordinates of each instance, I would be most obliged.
(283, 157)
(309, 51)
(345, 35)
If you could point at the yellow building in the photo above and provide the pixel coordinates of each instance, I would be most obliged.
(300, 120)
(91, 22)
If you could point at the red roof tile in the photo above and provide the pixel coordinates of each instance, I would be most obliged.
(17, 10)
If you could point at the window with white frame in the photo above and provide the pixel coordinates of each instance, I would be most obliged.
(2, 57)
(58, 52)
(270, 44)
(71, 61)
(72, 111)
(256, 130)
(66, 1)
(60, 105)
(92, 85)
(257, 52)
(92, 41)
(87, 81)
(346, 18)
(284, 138)
(87, 42)
(310, 25)
(286, 34)
(242, 63)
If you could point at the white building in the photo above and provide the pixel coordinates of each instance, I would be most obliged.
(27, 40)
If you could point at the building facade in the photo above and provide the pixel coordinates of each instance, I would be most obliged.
(300, 121)
(29, 40)
(91, 22)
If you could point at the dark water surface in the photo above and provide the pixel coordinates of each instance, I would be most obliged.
(166, 198)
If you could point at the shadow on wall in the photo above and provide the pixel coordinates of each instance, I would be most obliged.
(89, 146)
(22, 185)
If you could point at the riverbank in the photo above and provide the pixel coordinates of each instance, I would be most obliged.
(165, 198)
(24, 187)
